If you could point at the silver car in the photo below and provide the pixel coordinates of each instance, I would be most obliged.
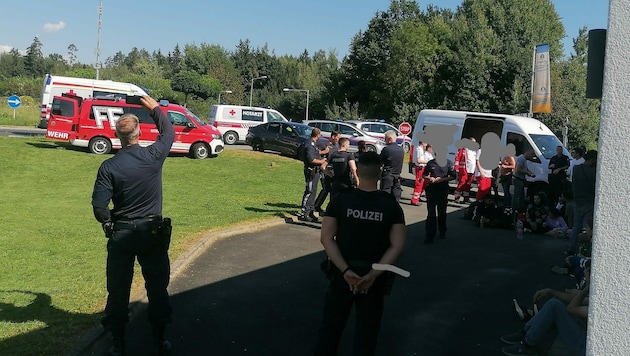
(347, 130)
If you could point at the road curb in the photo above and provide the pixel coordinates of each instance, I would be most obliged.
(138, 301)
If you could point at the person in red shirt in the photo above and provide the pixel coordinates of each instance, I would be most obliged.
(465, 164)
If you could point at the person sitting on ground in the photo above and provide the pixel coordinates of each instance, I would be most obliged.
(568, 320)
(536, 213)
(487, 214)
(574, 265)
(555, 224)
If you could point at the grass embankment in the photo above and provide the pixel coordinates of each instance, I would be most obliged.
(26, 115)
(53, 250)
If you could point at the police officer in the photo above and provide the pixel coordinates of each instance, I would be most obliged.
(344, 169)
(313, 164)
(436, 179)
(392, 156)
(361, 227)
(326, 178)
(132, 180)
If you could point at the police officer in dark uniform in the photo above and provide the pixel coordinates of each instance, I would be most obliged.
(329, 148)
(344, 169)
(392, 156)
(436, 179)
(361, 227)
(313, 164)
(132, 180)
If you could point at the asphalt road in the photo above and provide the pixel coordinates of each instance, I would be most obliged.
(262, 293)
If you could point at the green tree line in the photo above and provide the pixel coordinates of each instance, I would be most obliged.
(477, 58)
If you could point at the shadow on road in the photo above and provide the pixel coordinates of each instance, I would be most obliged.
(251, 295)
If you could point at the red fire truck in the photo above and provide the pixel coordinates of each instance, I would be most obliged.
(92, 123)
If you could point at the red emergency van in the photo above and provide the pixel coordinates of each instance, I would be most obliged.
(92, 123)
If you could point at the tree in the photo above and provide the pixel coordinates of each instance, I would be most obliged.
(34, 59)
(568, 98)
(12, 64)
(189, 82)
(72, 54)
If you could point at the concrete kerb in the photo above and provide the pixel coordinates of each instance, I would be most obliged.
(138, 301)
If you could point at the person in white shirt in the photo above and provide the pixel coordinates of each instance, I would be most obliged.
(577, 154)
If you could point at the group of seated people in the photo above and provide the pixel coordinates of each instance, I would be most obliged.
(556, 314)
(539, 217)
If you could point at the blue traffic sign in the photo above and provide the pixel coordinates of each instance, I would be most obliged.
(14, 101)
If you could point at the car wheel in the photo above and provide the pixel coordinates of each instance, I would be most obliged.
(199, 151)
(370, 148)
(257, 145)
(406, 147)
(100, 145)
(230, 138)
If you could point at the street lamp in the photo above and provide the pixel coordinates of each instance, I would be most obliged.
(307, 95)
(251, 90)
(224, 91)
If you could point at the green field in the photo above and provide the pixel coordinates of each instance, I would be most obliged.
(53, 250)
(26, 115)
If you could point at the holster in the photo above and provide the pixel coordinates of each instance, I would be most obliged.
(328, 268)
(164, 231)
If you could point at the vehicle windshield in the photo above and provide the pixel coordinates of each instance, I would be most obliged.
(197, 120)
(547, 145)
(303, 131)
(275, 117)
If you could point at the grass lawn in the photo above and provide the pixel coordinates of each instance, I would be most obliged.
(53, 251)
(26, 115)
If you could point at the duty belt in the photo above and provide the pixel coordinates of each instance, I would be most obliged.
(147, 222)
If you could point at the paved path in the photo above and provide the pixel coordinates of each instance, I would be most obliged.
(262, 293)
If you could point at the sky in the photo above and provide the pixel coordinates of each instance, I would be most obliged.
(287, 27)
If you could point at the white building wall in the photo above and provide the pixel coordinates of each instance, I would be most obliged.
(609, 312)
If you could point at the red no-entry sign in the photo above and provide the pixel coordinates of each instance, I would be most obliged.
(405, 128)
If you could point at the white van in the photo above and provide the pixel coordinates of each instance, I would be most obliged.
(523, 132)
(55, 85)
(233, 121)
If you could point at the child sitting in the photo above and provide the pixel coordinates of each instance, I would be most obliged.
(488, 213)
(536, 213)
(555, 224)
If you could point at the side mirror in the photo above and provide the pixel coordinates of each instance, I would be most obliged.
(190, 125)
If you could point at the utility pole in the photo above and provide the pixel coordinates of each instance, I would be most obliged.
(98, 40)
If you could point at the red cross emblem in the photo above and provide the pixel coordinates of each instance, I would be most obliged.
(232, 112)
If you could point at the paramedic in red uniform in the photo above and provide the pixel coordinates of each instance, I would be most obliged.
(465, 165)
(132, 180)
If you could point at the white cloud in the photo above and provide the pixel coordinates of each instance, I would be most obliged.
(5, 48)
(54, 27)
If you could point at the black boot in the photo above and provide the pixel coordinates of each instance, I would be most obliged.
(118, 344)
(162, 344)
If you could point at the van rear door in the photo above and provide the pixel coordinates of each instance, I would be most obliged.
(64, 119)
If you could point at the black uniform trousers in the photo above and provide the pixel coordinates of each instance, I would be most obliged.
(437, 201)
(311, 178)
(326, 188)
(339, 185)
(391, 184)
(337, 307)
(122, 248)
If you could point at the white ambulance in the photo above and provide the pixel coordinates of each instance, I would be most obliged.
(234, 121)
(55, 85)
(523, 132)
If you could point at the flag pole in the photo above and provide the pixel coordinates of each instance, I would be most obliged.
(531, 94)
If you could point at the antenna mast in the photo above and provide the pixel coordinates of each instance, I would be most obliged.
(98, 40)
